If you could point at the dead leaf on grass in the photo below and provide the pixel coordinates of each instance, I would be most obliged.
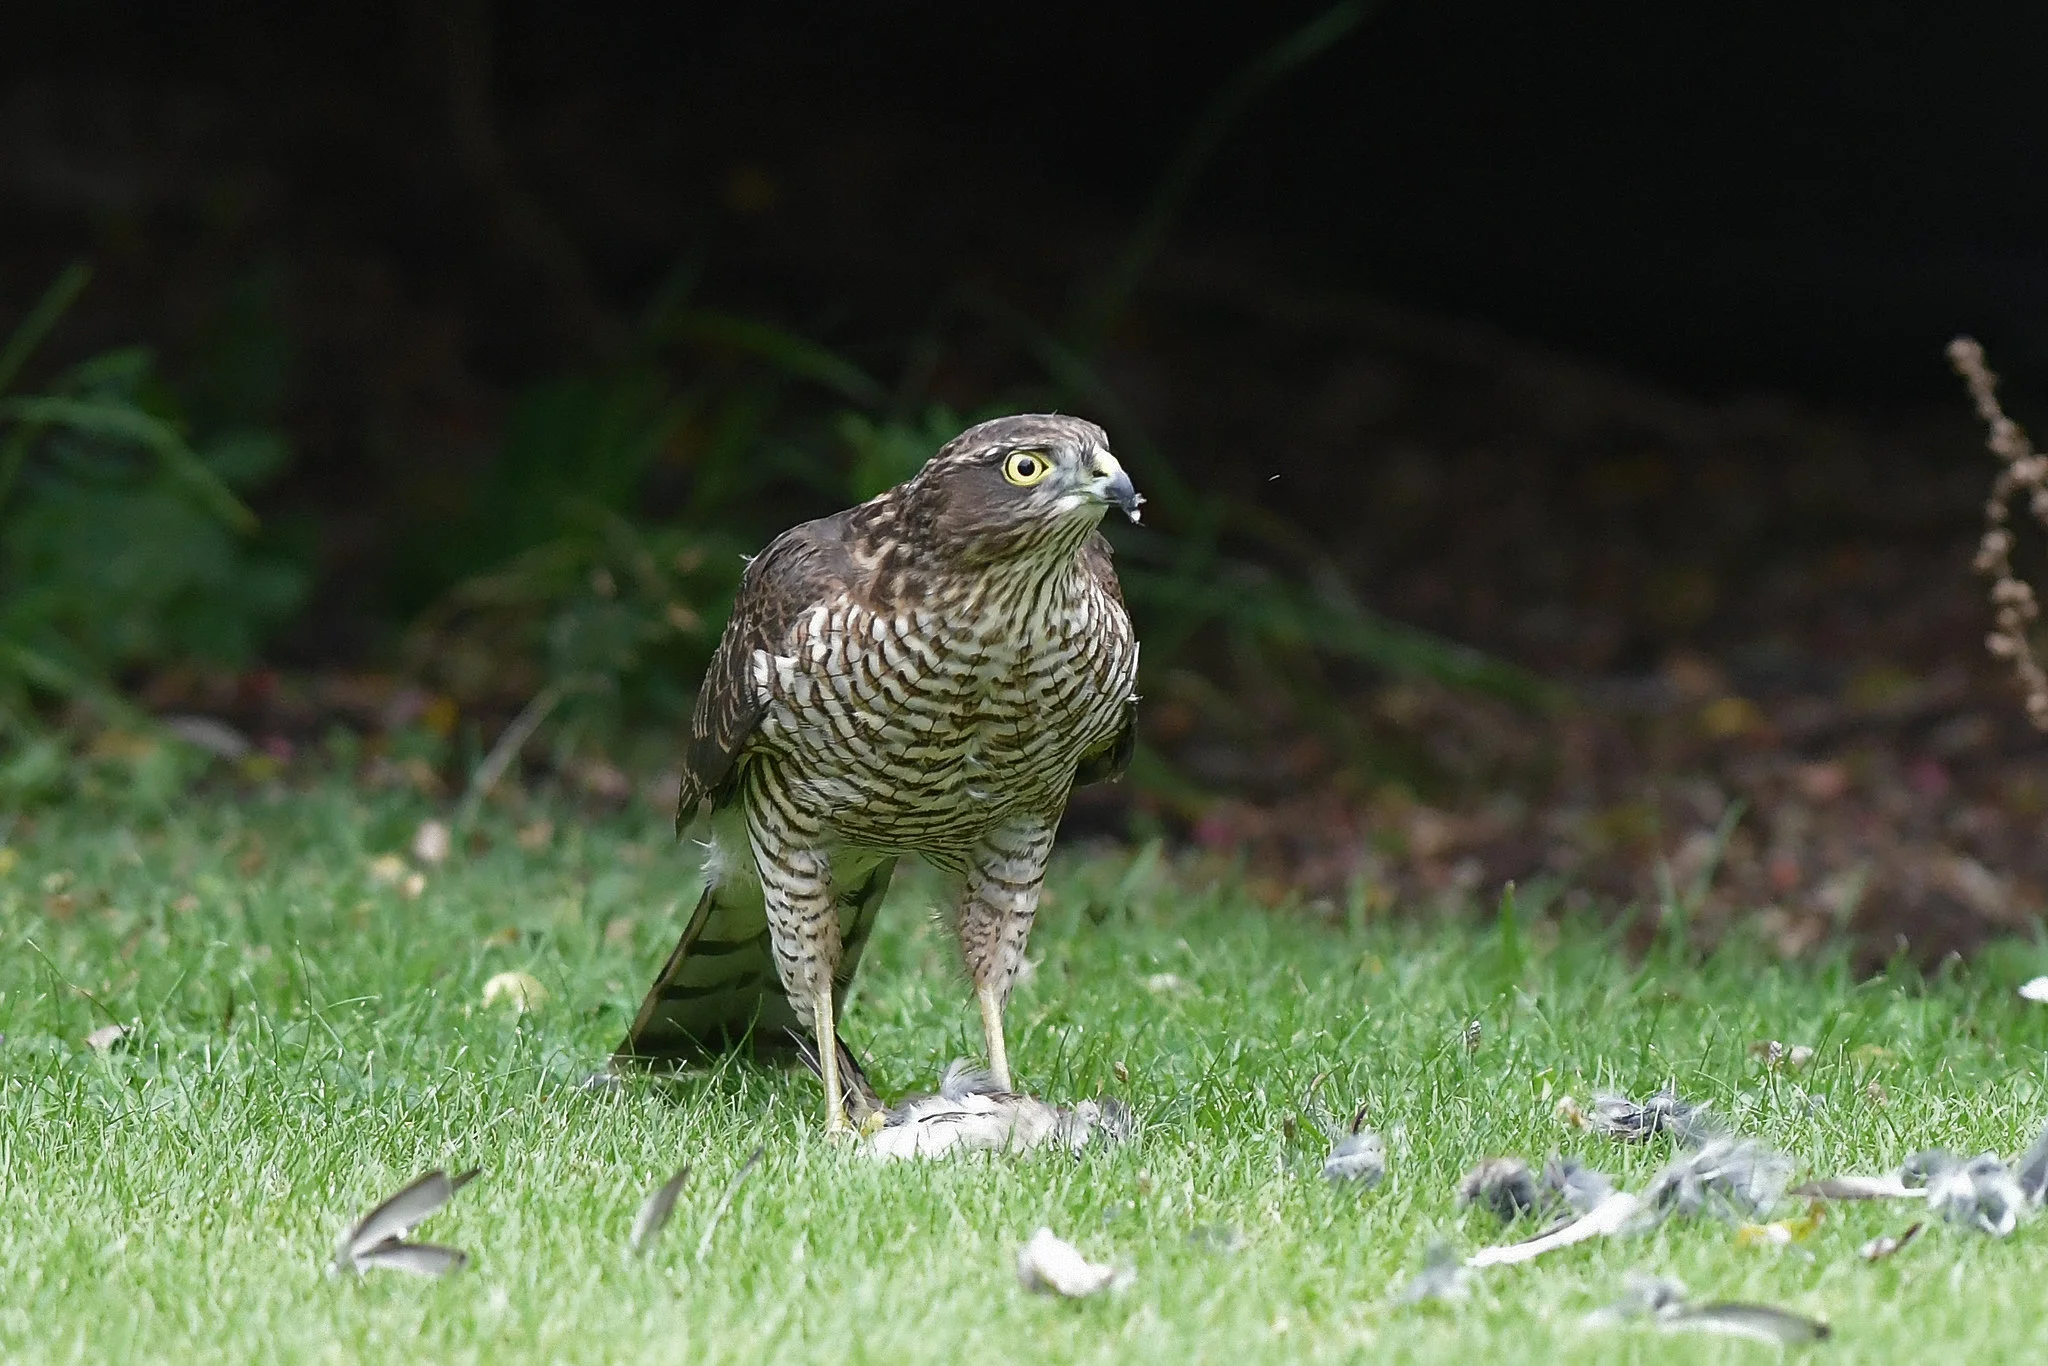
(520, 990)
(432, 843)
(106, 1037)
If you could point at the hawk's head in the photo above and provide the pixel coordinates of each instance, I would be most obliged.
(1019, 484)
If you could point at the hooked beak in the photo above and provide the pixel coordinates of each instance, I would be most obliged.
(1112, 485)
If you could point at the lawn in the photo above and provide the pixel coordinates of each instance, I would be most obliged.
(309, 1036)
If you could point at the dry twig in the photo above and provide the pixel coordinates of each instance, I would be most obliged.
(2012, 599)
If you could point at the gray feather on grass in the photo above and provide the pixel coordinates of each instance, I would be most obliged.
(1661, 1112)
(1667, 1305)
(1756, 1322)
(1504, 1186)
(1982, 1194)
(1357, 1155)
(1443, 1278)
(655, 1210)
(2030, 1169)
(1727, 1177)
(418, 1259)
(732, 1188)
(1578, 1185)
(377, 1239)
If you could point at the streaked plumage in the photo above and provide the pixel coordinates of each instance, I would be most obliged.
(928, 673)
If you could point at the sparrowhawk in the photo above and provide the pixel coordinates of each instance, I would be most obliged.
(928, 673)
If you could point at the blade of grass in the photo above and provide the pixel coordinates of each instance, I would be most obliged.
(123, 423)
(1297, 48)
(792, 353)
(27, 336)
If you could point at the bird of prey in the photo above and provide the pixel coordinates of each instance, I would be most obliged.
(928, 673)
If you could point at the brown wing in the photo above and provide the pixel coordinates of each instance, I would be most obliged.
(800, 568)
(1106, 763)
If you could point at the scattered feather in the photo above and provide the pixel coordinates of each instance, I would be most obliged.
(520, 990)
(1165, 983)
(602, 1083)
(1981, 1194)
(2035, 990)
(2030, 1169)
(1615, 1212)
(971, 1113)
(732, 1188)
(1504, 1185)
(1050, 1265)
(1661, 1112)
(1443, 1277)
(1887, 1187)
(418, 1259)
(377, 1239)
(1756, 1322)
(1919, 1170)
(1728, 1177)
(1579, 1186)
(655, 1210)
(1665, 1303)
(1642, 1295)
(1877, 1249)
(1357, 1157)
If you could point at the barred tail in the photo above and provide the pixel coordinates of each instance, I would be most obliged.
(719, 993)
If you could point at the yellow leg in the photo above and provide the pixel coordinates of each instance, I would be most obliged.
(992, 1031)
(828, 1065)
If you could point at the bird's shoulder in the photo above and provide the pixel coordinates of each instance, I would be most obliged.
(810, 564)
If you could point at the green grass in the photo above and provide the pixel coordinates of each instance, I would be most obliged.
(179, 1200)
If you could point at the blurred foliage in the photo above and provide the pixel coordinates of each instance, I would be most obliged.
(579, 577)
(124, 541)
(637, 496)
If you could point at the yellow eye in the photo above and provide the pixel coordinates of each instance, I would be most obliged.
(1025, 468)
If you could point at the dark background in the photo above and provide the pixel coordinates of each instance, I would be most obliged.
(1799, 197)
(1606, 338)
